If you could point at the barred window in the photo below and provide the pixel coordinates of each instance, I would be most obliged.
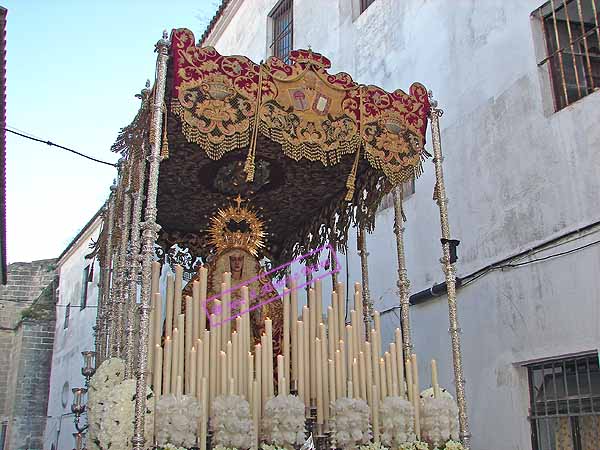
(364, 4)
(283, 29)
(572, 37)
(565, 403)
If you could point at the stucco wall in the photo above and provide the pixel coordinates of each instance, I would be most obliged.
(70, 342)
(517, 174)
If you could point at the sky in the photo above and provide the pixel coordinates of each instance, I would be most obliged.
(73, 68)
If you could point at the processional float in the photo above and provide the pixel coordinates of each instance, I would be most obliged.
(246, 178)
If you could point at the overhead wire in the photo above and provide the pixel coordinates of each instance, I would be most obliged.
(52, 144)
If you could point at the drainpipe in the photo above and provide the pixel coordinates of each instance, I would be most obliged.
(434, 291)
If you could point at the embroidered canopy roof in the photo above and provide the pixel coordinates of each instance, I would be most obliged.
(312, 151)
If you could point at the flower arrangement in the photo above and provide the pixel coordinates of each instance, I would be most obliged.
(171, 447)
(231, 422)
(117, 417)
(397, 421)
(373, 446)
(350, 423)
(110, 373)
(416, 445)
(439, 420)
(220, 447)
(283, 422)
(177, 420)
(270, 447)
(453, 445)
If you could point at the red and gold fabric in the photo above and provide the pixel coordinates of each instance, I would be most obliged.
(224, 101)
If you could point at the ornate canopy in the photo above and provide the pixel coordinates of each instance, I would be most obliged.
(312, 151)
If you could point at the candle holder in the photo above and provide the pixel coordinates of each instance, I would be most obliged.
(321, 438)
(78, 441)
(78, 407)
(89, 366)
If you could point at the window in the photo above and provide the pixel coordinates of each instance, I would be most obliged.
(565, 403)
(364, 4)
(572, 38)
(67, 314)
(3, 435)
(283, 30)
(84, 286)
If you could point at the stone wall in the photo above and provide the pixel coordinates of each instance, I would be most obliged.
(26, 342)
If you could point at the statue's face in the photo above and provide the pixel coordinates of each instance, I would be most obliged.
(236, 263)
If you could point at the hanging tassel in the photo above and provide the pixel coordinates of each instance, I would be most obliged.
(164, 149)
(351, 181)
(249, 166)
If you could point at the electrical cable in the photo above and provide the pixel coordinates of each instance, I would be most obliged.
(52, 144)
(525, 263)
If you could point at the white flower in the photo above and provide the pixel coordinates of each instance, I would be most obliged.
(177, 420)
(373, 446)
(231, 422)
(453, 445)
(439, 420)
(110, 373)
(397, 421)
(172, 447)
(350, 423)
(115, 416)
(283, 422)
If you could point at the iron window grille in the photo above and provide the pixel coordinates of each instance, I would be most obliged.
(364, 4)
(572, 38)
(67, 315)
(565, 403)
(282, 18)
(84, 287)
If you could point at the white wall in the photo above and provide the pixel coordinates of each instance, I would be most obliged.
(517, 174)
(70, 342)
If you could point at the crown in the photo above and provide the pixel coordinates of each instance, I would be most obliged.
(236, 226)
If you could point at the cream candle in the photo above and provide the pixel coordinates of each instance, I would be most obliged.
(177, 293)
(158, 371)
(301, 387)
(203, 307)
(356, 379)
(382, 379)
(286, 335)
(388, 374)
(332, 387)
(191, 387)
(434, 379)
(393, 363)
(169, 309)
(199, 366)
(205, 414)
(195, 312)
(175, 361)
(368, 373)
(319, 383)
(166, 389)
(155, 286)
(400, 363)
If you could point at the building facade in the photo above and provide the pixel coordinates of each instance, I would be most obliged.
(26, 341)
(73, 333)
(518, 81)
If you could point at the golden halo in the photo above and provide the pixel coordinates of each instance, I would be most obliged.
(236, 226)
